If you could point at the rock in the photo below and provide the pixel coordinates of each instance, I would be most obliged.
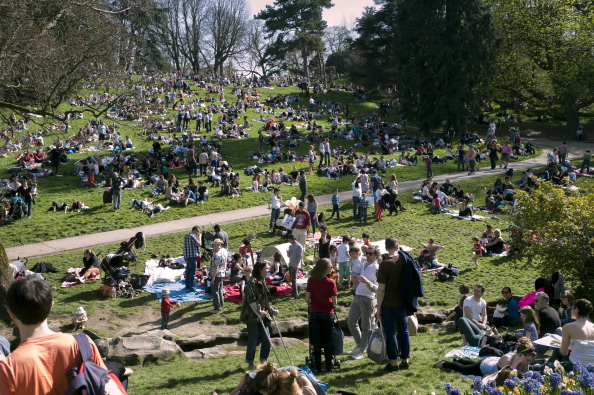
(450, 326)
(422, 329)
(136, 349)
(162, 333)
(213, 352)
(289, 341)
(55, 326)
(292, 327)
(436, 327)
(428, 316)
(194, 355)
(203, 340)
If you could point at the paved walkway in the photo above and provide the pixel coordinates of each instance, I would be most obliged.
(185, 224)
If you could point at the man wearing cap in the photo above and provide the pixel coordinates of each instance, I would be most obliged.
(295, 253)
(217, 273)
(301, 224)
(191, 254)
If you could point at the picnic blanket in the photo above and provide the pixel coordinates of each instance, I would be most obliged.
(232, 292)
(178, 292)
(163, 274)
(68, 284)
(464, 352)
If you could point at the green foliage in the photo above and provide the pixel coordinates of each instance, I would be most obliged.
(546, 51)
(298, 25)
(557, 234)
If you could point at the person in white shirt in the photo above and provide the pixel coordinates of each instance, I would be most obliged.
(364, 301)
(474, 322)
(356, 196)
(274, 205)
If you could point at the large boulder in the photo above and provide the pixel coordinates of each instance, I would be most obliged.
(292, 327)
(428, 316)
(207, 353)
(204, 340)
(138, 349)
(289, 342)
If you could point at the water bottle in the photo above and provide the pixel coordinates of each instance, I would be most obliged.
(113, 293)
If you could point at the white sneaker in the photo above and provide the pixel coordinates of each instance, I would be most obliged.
(357, 355)
(355, 351)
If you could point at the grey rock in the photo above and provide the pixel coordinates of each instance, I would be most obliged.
(137, 349)
(213, 352)
(450, 326)
(436, 327)
(292, 327)
(289, 341)
(428, 316)
(162, 333)
(204, 340)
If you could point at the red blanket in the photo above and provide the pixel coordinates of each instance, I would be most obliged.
(232, 292)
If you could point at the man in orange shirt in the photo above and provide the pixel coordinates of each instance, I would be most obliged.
(39, 364)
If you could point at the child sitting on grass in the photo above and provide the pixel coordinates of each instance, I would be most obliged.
(80, 318)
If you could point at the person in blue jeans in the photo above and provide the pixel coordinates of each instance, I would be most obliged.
(191, 254)
(391, 308)
(256, 294)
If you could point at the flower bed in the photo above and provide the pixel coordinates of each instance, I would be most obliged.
(552, 381)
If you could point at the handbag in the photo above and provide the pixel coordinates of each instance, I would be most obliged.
(376, 348)
(337, 337)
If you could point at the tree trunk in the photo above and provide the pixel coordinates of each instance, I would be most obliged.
(305, 63)
(572, 117)
(5, 281)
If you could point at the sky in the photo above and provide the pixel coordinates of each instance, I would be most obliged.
(343, 10)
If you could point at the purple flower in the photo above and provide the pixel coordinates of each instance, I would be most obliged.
(577, 367)
(570, 392)
(510, 384)
(478, 384)
(537, 377)
(494, 391)
(590, 368)
(450, 390)
(586, 379)
(554, 380)
(529, 386)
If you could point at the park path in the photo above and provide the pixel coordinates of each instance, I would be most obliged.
(50, 247)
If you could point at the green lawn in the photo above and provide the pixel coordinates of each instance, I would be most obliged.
(47, 225)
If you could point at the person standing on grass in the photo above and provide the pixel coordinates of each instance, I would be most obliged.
(166, 305)
(356, 197)
(506, 150)
(586, 162)
(217, 272)
(391, 307)
(191, 255)
(302, 180)
(295, 252)
(274, 205)
(301, 224)
(363, 302)
(344, 270)
(477, 251)
(363, 205)
(471, 157)
(336, 204)
(322, 152)
(429, 166)
(117, 184)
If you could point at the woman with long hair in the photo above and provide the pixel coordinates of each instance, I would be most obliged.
(256, 295)
(320, 295)
(90, 265)
(531, 323)
(312, 209)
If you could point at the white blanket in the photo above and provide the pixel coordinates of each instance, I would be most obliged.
(163, 274)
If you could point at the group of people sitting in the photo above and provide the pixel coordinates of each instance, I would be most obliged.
(513, 354)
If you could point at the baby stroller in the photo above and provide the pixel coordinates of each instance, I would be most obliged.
(310, 359)
(128, 248)
(115, 281)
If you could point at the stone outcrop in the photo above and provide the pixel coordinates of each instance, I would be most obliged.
(137, 349)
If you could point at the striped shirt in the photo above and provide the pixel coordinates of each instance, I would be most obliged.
(335, 198)
(364, 203)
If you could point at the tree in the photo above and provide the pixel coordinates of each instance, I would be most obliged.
(338, 38)
(49, 48)
(5, 281)
(227, 21)
(556, 234)
(444, 56)
(169, 32)
(298, 25)
(254, 59)
(547, 58)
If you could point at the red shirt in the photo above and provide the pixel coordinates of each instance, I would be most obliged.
(302, 219)
(166, 305)
(321, 292)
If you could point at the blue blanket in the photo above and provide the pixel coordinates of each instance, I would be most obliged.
(178, 292)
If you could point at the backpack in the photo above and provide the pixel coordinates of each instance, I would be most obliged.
(90, 378)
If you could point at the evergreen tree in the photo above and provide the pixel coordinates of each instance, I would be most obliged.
(444, 52)
(297, 25)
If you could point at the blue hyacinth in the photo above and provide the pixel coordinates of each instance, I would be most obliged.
(577, 367)
(537, 377)
(570, 392)
(450, 390)
(478, 384)
(590, 368)
(554, 380)
(586, 379)
(510, 384)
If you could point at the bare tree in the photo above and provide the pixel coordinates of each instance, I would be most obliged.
(50, 48)
(169, 31)
(253, 59)
(226, 23)
(194, 17)
(338, 38)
